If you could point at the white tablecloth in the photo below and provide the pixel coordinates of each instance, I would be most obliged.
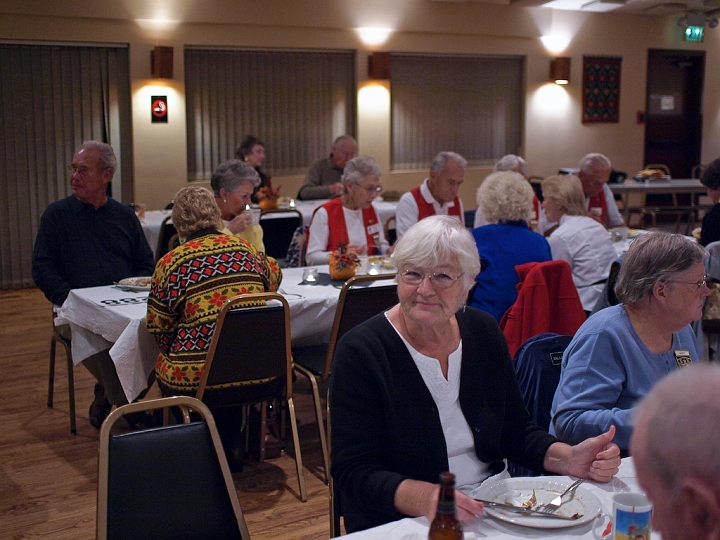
(151, 226)
(490, 527)
(104, 318)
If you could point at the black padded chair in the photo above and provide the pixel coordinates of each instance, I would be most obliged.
(278, 228)
(537, 363)
(469, 218)
(168, 482)
(358, 302)
(165, 239)
(249, 362)
(59, 339)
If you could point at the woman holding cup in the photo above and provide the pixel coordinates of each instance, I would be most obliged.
(233, 183)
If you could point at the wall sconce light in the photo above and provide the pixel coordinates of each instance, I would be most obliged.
(560, 70)
(379, 65)
(161, 62)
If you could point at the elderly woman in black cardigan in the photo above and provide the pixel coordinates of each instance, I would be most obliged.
(428, 386)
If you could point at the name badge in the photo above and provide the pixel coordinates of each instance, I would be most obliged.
(682, 358)
(373, 229)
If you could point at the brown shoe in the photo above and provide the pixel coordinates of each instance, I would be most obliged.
(100, 407)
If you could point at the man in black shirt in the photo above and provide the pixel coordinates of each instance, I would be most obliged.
(87, 240)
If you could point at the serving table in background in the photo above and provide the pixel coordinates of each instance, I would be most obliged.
(107, 317)
(490, 527)
(691, 186)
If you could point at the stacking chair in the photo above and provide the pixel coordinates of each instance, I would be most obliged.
(249, 362)
(278, 228)
(547, 301)
(358, 302)
(166, 482)
(697, 170)
(391, 230)
(537, 363)
(167, 231)
(56, 339)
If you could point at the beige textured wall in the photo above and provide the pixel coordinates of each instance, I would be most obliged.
(554, 134)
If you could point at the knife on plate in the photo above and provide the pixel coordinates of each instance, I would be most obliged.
(526, 511)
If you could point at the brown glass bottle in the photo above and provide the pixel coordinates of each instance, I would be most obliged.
(446, 526)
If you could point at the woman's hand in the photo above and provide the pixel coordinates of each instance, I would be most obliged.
(416, 498)
(359, 250)
(239, 223)
(596, 458)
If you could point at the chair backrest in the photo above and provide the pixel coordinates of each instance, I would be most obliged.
(298, 248)
(547, 301)
(167, 231)
(697, 170)
(359, 302)
(391, 229)
(537, 363)
(608, 297)
(143, 494)
(469, 217)
(249, 358)
(278, 228)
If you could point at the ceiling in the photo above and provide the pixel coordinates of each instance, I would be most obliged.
(649, 7)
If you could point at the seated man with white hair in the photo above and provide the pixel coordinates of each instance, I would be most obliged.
(437, 195)
(676, 451)
(594, 174)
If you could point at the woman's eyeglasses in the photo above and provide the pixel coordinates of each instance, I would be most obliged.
(699, 284)
(441, 280)
(376, 189)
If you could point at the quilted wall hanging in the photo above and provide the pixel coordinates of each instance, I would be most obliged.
(601, 88)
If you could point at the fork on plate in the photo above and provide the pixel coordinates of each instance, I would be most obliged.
(552, 506)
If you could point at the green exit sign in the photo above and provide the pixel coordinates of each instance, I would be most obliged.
(694, 33)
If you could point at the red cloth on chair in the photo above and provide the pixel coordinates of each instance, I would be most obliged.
(547, 301)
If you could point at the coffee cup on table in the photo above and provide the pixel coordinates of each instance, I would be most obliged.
(630, 519)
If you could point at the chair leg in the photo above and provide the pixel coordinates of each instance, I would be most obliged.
(318, 415)
(51, 378)
(71, 389)
(263, 429)
(298, 455)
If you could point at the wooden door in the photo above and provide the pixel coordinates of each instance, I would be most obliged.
(673, 127)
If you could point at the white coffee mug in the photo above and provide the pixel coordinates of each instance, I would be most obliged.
(630, 519)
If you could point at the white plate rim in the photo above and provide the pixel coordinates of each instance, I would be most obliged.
(135, 288)
(495, 490)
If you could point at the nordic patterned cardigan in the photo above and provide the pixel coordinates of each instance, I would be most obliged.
(189, 287)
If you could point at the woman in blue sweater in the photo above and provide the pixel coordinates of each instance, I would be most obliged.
(506, 201)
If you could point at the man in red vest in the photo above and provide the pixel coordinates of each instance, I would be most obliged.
(437, 195)
(594, 173)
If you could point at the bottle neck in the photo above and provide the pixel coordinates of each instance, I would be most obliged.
(446, 502)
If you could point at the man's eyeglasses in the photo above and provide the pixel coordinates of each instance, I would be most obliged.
(82, 171)
(376, 189)
(441, 280)
(699, 284)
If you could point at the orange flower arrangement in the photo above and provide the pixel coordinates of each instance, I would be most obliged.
(268, 197)
(343, 262)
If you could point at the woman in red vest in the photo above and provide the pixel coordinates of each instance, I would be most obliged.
(351, 218)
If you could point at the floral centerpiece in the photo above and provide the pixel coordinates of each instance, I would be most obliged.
(268, 197)
(343, 262)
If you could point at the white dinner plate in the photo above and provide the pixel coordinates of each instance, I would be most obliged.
(136, 284)
(516, 490)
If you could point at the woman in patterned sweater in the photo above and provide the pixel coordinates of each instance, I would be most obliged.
(190, 286)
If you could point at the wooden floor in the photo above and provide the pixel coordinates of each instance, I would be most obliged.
(48, 477)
